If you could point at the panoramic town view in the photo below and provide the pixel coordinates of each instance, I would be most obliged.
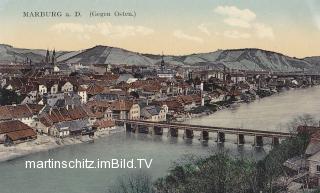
(159, 97)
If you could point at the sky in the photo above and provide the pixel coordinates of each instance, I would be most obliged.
(176, 27)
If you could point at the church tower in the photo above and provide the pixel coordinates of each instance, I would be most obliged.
(47, 57)
(162, 65)
(53, 58)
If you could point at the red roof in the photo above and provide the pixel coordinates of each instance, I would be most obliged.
(12, 126)
(18, 111)
(104, 123)
(62, 114)
(17, 135)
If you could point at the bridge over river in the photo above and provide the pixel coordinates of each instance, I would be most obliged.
(157, 128)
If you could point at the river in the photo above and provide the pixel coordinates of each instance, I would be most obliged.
(270, 113)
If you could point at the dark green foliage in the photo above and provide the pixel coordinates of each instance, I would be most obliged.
(136, 182)
(8, 97)
(221, 173)
(272, 167)
(216, 174)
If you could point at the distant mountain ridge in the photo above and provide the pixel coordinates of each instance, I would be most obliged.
(245, 59)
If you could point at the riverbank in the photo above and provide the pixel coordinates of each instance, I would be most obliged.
(268, 113)
(211, 108)
(46, 143)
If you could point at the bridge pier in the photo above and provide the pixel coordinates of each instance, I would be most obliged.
(143, 129)
(157, 130)
(150, 130)
(205, 135)
(188, 133)
(221, 137)
(275, 141)
(173, 132)
(128, 127)
(205, 132)
(258, 141)
(241, 140)
(134, 128)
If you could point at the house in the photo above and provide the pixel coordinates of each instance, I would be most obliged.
(104, 125)
(190, 101)
(309, 163)
(68, 100)
(218, 74)
(31, 97)
(171, 88)
(25, 113)
(54, 88)
(313, 154)
(71, 128)
(187, 101)
(121, 109)
(14, 132)
(150, 91)
(237, 76)
(154, 113)
(108, 114)
(3, 81)
(20, 136)
(314, 166)
(106, 97)
(51, 99)
(42, 89)
(217, 96)
(56, 69)
(82, 92)
(67, 87)
(174, 106)
(94, 89)
(50, 117)
(134, 112)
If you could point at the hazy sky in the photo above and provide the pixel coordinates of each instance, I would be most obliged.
(175, 27)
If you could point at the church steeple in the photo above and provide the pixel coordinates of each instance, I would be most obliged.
(47, 57)
(162, 67)
(53, 58)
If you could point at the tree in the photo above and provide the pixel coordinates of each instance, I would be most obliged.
(8, 97)
(302, 120)
(136, 182)
(218, 173)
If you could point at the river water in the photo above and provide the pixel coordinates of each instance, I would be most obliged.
(270, 113)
